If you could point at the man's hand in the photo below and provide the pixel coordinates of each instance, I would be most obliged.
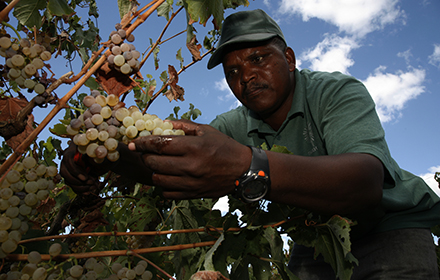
(203, 163)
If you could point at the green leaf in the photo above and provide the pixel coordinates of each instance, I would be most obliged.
(164, 10)
(179, 57)
(59, 8)
(27, 12)
(92, 83)
(124, 7)
(58, 129)
(143, 213)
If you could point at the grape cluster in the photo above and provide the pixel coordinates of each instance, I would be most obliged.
(92, 269)
(23, 59)
(24, 187)
(124, 56)
(107, 122)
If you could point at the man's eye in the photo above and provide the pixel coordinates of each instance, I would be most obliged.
(232, 73)
(257, 59)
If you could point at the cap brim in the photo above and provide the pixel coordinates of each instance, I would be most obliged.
(217, 56)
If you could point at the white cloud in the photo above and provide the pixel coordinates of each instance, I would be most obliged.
(429, 179)
(222, 85)
(434, 58)
(392, 91)
(332, 54)
(356, 17)
(406, 55)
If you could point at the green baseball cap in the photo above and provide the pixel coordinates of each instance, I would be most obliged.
(244, 27)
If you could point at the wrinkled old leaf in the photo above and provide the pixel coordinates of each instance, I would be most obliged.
(113, 81)
(194, 48)
(175, 92)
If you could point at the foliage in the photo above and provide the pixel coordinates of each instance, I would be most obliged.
(123, 221)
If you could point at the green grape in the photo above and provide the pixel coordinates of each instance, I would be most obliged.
(81, 140)
(102, 127)
(76, 271)
(91, 275)
(119, 60)
(42, 183)
(92, 134)
(91, 150)
(101, 152)
(16, 223)
(31, 199)
(106, 112)
(112, 131)
(31, 187)
(45, 56)
(31, 175)
(121, 113)
(99, 267)
(5, 42)
(6, 193)
(157, 131)
(136, 115)
(33, 52)
(24, 227)
(76, 124)
(128, 121)
(29, 162)
(42, 195)
(17, 60)
(17, 187)
(15, 235)
(113, 156)
(14, 200)
(122, 33)
(39, 274)
(18, 166)
(136, 54)
(101, 100)
(116, 39)
(97, 119)
(111, 144)
(39, 88)
(4, 204)
(147, 275)
(139, 269)
(29, 268)
(103, 135)
(111, 59)
(3, 235)
(116, 50)
(30, 84)
(95, 108)
(38, 63)
(89, 101)
(116, 267)
(90, 263)
(149, 125)
(130, 274)
(34, 257)
(158, 122)
(12, 212)
(9, 246)
(55, 249)
(52, 171)
(131, 131)
(82, 149)
(140, 125)
(30, 70)
(132, 62)
(6, 184)
(122, 272)
(130, 38)
(144, 133)
(13, 176)
(167, 125)
(71, 131)
(41, 170)
(25, 210)
(167, 132)
(112, 100)
(125, 68)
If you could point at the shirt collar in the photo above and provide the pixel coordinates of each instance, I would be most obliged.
(297, 109)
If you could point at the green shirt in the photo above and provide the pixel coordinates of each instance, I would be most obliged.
(331, 114)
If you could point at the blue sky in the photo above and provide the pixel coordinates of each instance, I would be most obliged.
(392, 46)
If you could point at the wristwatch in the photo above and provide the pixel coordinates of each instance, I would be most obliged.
(255, 183)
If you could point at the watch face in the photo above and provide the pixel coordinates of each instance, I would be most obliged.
(255, 189)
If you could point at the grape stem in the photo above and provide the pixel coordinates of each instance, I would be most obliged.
(10, 26)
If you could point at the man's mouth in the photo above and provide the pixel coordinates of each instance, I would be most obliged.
(253, 91)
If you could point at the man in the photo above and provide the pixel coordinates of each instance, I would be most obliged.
(340, 162)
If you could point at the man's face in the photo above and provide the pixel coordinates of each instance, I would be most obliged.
(261, 77)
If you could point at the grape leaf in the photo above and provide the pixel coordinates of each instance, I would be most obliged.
(16, 140)
(175, 92)
(208, 257)
(59, 8)
(164, 9)
(113, 81)
(27, 12)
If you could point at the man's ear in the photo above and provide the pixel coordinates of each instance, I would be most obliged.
(291, 59)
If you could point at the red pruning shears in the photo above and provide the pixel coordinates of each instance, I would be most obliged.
(77, 158)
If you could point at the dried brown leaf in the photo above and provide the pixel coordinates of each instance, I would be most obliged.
(113, 81)
(194, 48)
(16, 140)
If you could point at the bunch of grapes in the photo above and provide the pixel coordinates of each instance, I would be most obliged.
(106, 122)
(124, 56)
(23, 59)
(92, 269)
(24, 187)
